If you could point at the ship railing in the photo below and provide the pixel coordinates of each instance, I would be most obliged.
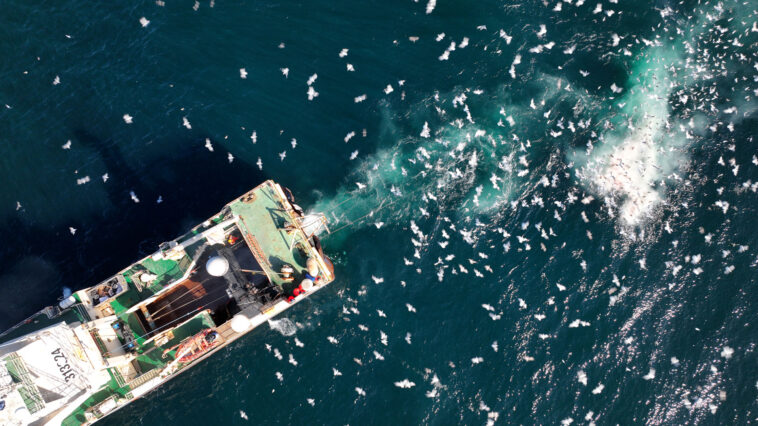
(144, 378)
(99, 342)
(118, 377)
(313, 224)
(32, 398)
(81, 312)
(64, 389)
(24, 322)
(52, 311)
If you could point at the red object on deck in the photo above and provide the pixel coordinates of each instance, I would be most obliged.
(196, 346)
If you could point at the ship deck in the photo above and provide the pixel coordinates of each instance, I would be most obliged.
(139, 317)
(264, 220)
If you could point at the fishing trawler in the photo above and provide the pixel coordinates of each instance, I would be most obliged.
(104, 346)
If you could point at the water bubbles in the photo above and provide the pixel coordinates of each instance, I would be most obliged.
(284, 326)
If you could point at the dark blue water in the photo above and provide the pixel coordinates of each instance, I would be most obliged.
(556, 224)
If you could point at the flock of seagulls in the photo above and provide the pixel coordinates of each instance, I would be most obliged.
(635, 158)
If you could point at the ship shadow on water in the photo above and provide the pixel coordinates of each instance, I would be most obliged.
(37, 262)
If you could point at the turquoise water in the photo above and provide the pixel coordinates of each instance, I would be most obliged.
(556, 224)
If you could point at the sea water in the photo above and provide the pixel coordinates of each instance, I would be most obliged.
(544, 211)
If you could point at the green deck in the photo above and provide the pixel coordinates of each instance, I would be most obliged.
(264, 219)
(166, 270)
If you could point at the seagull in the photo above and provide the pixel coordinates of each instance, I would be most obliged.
(312, 93)
(405, 384)
(430, 6)
(650, 374)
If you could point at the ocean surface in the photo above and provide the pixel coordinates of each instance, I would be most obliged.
(545, 211)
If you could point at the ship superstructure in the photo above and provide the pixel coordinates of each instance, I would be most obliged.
(106, 345)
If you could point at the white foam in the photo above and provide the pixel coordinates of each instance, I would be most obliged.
(284, 326)
(628, 169)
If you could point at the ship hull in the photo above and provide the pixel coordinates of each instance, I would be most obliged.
(108, 345)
